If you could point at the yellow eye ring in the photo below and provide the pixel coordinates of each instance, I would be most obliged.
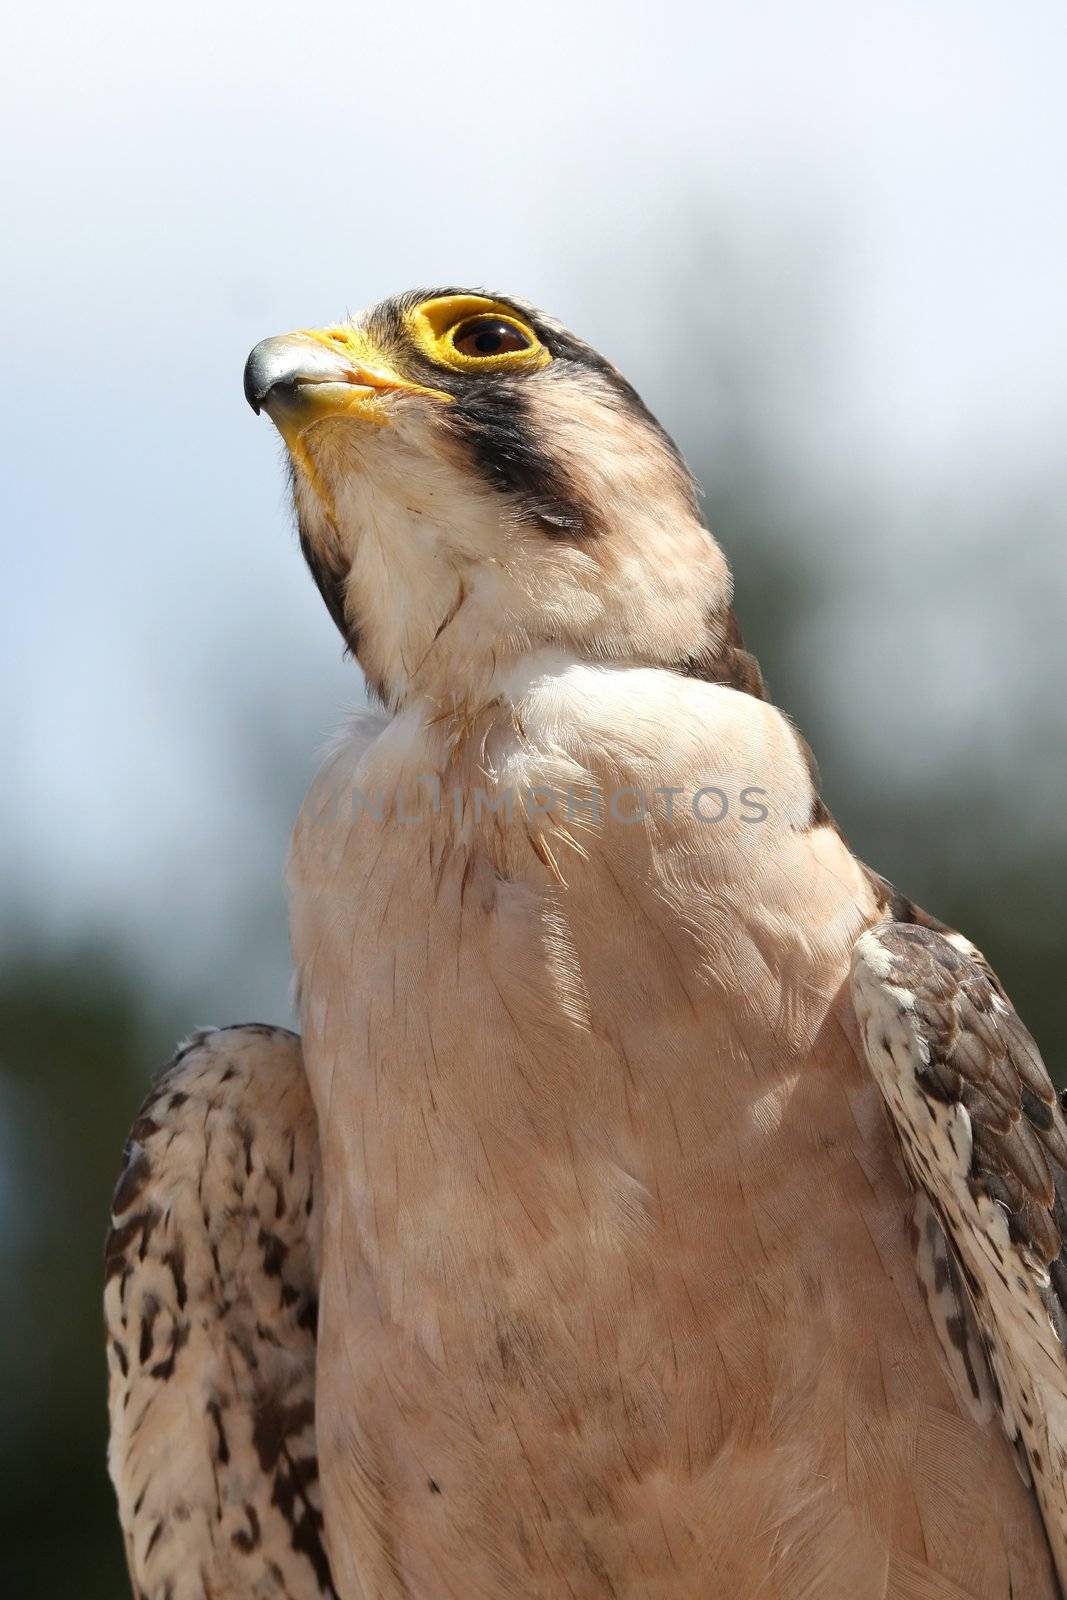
(435, 324)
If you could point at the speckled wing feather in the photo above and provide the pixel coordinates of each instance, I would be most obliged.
(210, 1306)
(984, 1140)
(963, 1343)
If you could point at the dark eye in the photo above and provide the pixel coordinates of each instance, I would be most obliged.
(489, 336)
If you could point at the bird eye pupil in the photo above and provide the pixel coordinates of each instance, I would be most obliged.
(489, 336)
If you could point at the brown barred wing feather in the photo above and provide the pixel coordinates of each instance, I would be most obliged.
(210, 1309)
(984, 1140)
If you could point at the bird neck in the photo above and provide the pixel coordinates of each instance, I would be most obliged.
(444, 630)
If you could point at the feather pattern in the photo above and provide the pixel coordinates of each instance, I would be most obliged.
(962, 1343)
(210, 1307)
(985, 1143)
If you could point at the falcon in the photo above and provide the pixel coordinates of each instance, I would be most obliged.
(657, 1205)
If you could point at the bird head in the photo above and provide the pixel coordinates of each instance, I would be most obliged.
(475, 486)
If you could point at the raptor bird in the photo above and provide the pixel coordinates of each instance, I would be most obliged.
(657, 1205)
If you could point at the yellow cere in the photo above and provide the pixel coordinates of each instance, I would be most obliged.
(434, 325)
(367, 371)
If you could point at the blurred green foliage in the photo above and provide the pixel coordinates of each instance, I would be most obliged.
(73, 1032)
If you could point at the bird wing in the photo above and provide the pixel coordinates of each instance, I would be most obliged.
(210, 1308)
(984, 1141)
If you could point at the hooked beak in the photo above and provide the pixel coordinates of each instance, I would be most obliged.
(299, 379)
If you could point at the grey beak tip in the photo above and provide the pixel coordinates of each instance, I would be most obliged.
(258, 378)
(278, 367)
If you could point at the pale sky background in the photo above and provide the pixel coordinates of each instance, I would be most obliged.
(874, 194)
